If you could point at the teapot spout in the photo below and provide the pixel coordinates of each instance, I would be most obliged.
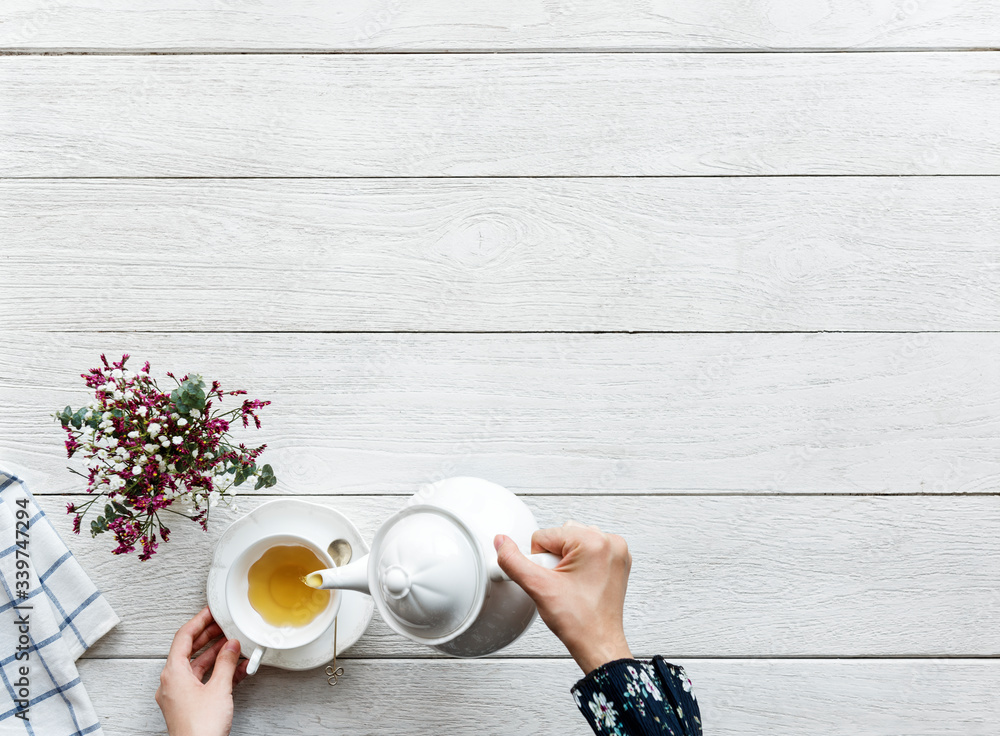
(350, 577)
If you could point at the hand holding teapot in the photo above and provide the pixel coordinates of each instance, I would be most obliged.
(583, 598)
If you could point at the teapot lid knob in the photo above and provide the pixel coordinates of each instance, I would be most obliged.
(430, 573)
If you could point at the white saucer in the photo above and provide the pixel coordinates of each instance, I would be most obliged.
(318, 524)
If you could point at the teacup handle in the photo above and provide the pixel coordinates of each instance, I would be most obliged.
(545, 559)
(254, 662)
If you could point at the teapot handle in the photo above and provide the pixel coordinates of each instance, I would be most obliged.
(545, 559)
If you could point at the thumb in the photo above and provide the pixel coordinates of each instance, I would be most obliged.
(521, 570)
(225, 665)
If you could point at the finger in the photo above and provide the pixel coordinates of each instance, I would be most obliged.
(225, 666)
(529, 575)
(241, 672)
(181, 647)
(206, 636)
(203, 663)
(555, 539)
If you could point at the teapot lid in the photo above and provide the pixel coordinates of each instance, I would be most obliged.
(427, 573)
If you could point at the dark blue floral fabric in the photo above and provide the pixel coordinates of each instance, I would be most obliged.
(629, 697)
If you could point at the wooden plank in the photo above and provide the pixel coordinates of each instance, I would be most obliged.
(510, 254)
(736, 697)
(489, 115)
(732, 576)
(391, 25)
(558, 413)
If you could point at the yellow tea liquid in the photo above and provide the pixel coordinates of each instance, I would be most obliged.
(276, 590)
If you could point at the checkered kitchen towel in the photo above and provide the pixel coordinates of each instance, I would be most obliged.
(50, 612)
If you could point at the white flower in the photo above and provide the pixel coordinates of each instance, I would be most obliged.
(106, 388)
(121, 452)
(158, 456)
(178, 440)
(209, 455)
(213, 499)
(133, 434)
(116, 483)
(149, 447)
(685, 682)
(112, 441)
(136, 469)
(116, 373)
(195, 413)
(194, 452)
(172, 468)
(649, 685)
(182, 422)
(142, 411)
(119, 466)
(162, 465)
(107, 415)
(118, 394)
(153, 429)
(174, 415)
(603, 710)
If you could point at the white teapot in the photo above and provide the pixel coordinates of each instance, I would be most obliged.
(433, 571)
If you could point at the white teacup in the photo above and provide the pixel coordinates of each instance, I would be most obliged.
(264, 635)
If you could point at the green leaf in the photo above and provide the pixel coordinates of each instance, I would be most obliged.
(261, 482)
(120, 508)
(270, 482)
(268, 470)
(109, 512)
(239, 479)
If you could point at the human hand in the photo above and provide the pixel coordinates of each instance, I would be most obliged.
(583, 598)
(192, 707)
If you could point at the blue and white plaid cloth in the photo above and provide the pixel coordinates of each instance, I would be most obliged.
(65, 613)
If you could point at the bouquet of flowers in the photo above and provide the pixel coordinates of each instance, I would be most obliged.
(150, 452)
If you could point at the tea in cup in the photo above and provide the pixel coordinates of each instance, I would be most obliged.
(269, 600)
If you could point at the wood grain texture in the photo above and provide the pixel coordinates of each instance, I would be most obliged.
(496, 115)
(555, 413)
(359, 25)
(714, 254)
(769, 576)
(736, 697)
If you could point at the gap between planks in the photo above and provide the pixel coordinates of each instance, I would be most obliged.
(197, 51)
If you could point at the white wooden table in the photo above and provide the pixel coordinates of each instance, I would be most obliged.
(741, 308)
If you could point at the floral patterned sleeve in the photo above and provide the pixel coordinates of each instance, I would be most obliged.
(632, 698)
